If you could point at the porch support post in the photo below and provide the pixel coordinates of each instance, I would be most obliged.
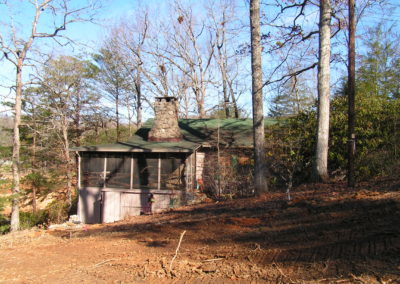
(132, 165)
(105, 170)
(80, 216)
(159, 171)
(79, 170)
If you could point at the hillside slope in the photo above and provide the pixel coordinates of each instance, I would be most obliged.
(326, 234)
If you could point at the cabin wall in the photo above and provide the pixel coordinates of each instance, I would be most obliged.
(118, 205)
(89, 205)
(113, 186)
(174, 179)
(109, 205)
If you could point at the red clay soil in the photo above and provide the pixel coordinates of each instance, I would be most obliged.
(326, 234)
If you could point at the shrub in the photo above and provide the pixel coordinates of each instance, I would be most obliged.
(228, 176)
(4, 227)
(4, 221)
(29, 219)
(57, 211)
(291, 143)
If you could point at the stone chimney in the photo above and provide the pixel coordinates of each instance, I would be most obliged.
(165, 127)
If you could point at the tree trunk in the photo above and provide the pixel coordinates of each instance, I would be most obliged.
(200, 102)
(226, 97)
(351, 95)
(186, 102)
(67, 160)
(260, 183)
(128, 111)
(34, 166)
(222, 66)
(234, 102)
(321, 152)
(34, 207)
(117, 114)
(78, 131)
(202, 110)
(16, 150)
(139, 98)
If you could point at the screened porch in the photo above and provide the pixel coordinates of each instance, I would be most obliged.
(116, 185)
(133, 170)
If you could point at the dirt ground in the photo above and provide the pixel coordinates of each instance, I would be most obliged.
(325, 234)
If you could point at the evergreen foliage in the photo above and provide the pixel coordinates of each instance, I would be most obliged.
(377, 120)
(292, 98)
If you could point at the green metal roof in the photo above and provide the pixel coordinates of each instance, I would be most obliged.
(196, 132)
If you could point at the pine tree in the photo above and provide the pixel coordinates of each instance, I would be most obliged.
(293, 98)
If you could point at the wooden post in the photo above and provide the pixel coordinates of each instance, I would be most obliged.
(159, 171)
(132, 171)
(79, 188)
(105, 170)
(79, 171)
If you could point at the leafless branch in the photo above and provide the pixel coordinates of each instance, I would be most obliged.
(292, 74)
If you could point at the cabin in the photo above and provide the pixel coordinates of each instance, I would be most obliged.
(173, 160)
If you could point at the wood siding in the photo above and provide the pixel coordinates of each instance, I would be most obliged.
(111, 205)
(200, 156)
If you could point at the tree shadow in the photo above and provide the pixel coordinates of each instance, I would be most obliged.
(351, 232)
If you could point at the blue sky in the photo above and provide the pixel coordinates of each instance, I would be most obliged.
(92, 34)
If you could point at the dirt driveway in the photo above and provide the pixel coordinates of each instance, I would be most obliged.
(326, 234)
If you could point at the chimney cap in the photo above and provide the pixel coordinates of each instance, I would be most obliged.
(167, 99)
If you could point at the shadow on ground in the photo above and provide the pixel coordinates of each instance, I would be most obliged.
(327, 230)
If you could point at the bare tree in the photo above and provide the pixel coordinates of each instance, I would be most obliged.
(132, 37)
(142, 60)
(177, 56)
(16, 48)
(189, 48)
(288, 39)
(321, 151)
(260, 183)
(225, 26)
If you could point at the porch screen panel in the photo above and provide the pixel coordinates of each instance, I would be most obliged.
(135, 178)
(148, 169)
(118, 170)
(172, 166)
(92, 169)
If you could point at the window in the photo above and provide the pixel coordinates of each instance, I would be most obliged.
(172, 167)
(147, 167)
(118, 170)
(92, 169)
